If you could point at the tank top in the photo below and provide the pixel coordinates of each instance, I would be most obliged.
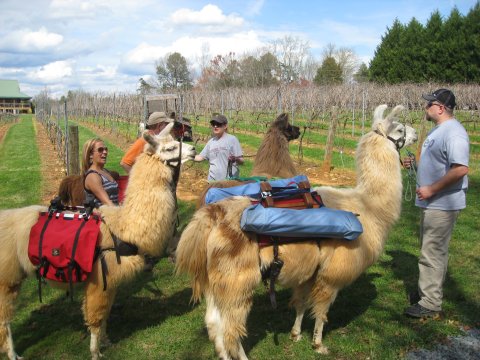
(110, 187)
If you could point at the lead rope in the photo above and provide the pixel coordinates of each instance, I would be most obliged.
(411, 176)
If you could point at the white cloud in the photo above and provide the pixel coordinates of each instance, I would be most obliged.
(142, 58)
(144, 53)
(209, 15)
(30, 41)
(53, 72)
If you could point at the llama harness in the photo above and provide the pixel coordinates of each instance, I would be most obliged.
(63, 245)
(286, 211)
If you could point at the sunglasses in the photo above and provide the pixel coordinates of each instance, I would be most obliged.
(430, 104)
(102, 149)
(215, 124)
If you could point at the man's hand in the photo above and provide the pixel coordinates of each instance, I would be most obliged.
(409, 162)
(424, 192)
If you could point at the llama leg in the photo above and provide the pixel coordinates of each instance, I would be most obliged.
(215, 327)
(234, 320)
(8, 295)
(300, 302)
(96, 308)
(322, 297)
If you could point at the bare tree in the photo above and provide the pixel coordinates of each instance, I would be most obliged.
(309, 69)
(291, 53)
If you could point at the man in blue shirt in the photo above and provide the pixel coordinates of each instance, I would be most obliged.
(441, 193)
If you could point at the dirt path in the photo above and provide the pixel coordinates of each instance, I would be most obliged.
(192, 180)
(52, 168)
(3, 129)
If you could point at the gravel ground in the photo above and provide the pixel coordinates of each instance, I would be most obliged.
(464, 347)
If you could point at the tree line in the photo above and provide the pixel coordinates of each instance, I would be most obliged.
(444, 50)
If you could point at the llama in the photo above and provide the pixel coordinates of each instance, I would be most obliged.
(146, 219)
(273, 157)
(225, 263)
(273, 146)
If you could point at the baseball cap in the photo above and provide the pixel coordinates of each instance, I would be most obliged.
(220, 119)
(443, 96)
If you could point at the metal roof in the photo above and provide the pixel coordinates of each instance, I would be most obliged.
(9, 89)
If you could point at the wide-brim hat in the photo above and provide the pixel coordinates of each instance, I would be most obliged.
(158, 117)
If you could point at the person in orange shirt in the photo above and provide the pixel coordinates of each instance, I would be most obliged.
(155, 124)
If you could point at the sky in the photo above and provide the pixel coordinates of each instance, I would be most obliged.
(106, 46)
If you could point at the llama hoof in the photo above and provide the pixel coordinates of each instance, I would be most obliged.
(295, 337)
(97, 356)
(321, 349)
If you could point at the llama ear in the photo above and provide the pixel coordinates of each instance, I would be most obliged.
(282, 120)
(393, 116)
(378, 115)
(152, 143)
(166, 130)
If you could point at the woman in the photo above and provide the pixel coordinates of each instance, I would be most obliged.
(98, 181)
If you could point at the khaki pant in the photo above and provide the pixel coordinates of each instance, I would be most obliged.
(435, 232)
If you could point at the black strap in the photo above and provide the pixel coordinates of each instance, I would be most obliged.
(104, 271)
(115, 246)
(40, 255)
(275, 268)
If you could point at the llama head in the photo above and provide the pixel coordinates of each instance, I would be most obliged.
(166, 147)
(391, 127)
(291, 132)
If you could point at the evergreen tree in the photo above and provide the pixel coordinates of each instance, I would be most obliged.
(442, 51)
(329, 73)
(435, 55)
(454, 44)
(269, 70)
(472, 33)
(363, 74)
(386, 61)
(412, 53)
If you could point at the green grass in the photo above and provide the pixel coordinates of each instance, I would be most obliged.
(153, 318)
(20, 176)
(115, 154)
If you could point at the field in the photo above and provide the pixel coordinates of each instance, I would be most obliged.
(153, 318)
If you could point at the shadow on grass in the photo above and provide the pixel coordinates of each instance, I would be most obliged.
(138, 305)
(405, 268)
(351, 303)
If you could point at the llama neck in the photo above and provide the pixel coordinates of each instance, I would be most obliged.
(149, 210)
(379, 177)
(273, 158)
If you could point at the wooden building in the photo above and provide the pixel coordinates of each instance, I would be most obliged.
(12, 100)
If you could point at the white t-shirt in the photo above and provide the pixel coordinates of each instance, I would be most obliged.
(217, 152)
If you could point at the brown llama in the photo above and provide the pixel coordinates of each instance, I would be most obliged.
(225, 263)
(272, 158)
(145, 220)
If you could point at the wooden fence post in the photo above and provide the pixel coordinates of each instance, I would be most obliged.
(327, 160)
(73, 166)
